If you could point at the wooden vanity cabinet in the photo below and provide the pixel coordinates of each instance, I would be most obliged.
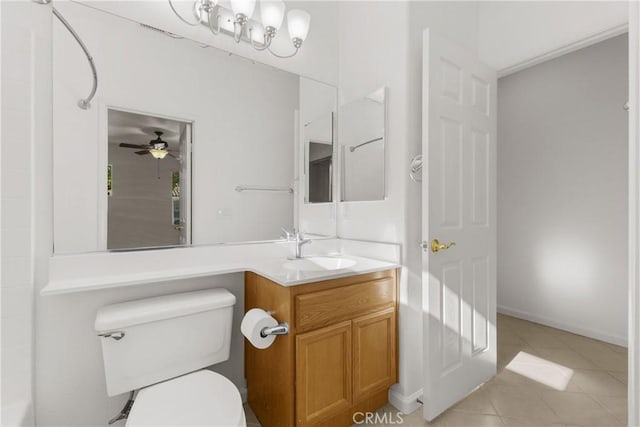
(340, 356)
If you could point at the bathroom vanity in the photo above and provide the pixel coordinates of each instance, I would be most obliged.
(339, 358)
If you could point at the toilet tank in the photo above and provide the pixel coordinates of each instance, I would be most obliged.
(164, 337)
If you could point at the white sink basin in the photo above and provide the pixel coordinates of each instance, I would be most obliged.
(319, 263)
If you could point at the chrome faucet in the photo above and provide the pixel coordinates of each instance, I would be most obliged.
(296, 236)
(299, 243)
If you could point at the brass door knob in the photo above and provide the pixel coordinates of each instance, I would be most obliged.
(436, 246)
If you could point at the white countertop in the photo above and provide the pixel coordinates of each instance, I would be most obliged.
(274, 270)
(102, 271)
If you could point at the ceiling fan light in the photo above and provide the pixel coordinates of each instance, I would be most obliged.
(158, 154)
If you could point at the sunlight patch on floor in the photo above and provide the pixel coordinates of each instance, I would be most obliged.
(541, 370)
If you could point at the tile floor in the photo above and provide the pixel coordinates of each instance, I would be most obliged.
(578, 382)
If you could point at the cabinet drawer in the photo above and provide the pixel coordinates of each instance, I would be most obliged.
(317, 309)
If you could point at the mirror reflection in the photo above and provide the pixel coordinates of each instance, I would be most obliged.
(319, 159)
(147, 181)
(222, 169)
(362, 135)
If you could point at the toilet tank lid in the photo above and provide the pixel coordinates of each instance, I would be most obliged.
(147, 310)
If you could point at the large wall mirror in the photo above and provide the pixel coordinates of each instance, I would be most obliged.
(363, 138)
(183, 144)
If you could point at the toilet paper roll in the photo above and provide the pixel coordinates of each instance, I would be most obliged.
(254, 321)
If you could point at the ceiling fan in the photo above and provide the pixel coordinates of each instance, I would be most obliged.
(158, 148)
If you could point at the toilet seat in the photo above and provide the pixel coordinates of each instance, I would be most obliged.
(200, 398)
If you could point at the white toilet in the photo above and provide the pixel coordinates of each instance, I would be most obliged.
(160, 346)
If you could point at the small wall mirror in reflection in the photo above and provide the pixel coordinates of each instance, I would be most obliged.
(148, 177)
(319, 159)
(362, 140)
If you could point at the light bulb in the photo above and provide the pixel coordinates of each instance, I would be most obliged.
(158, 154)
(226, 19)
(257, 32)
(298, 23)
(272, 13)
(243, 7)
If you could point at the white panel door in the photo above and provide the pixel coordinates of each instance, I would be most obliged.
(458, 205)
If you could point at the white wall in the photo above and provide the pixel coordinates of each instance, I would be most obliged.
(25, 82)
(17, 274)
(562, 192)
(370, 58)
(511, 32)
(146, 71)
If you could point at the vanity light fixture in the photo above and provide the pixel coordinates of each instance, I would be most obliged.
(237, 22)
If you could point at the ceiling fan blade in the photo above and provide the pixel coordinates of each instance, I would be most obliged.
(126, 145)
(172, 155)
(142, 153)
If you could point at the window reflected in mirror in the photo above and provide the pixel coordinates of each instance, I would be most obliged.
(147, 175)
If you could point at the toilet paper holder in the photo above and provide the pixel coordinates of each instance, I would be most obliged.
(279, 329)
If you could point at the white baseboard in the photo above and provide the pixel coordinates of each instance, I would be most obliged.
(598, 335)
(405, 404)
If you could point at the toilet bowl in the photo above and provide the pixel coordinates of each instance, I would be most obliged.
(202, 398)
(159, 347)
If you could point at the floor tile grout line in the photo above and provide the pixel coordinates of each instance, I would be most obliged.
(582, 390)
(489, 398)
(615, 379)
(595, 397)
(552, 410)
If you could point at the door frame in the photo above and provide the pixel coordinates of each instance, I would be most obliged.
(633, 198)
(634, 218)
(633, 336)
(104, 105)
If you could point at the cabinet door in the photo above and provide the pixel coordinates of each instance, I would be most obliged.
(323, 373)
(374, 353)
